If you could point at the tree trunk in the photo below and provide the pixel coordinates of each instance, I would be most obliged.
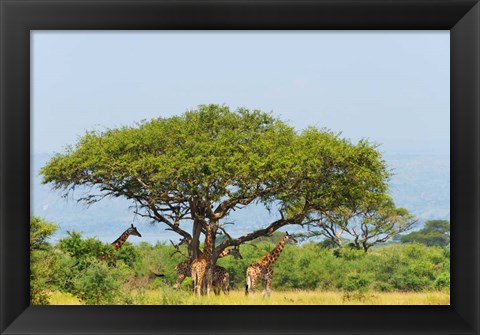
(194, 246)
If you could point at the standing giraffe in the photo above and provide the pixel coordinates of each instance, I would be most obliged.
(263, 269)
(184, 269)
(221, 280)
(202, 265)
(221, 277)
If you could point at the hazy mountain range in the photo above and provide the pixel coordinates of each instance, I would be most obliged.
(421, 183)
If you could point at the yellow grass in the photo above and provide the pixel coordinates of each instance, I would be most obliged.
(59, 298)
(171, 297)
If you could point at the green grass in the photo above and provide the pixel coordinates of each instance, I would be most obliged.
(168, 296)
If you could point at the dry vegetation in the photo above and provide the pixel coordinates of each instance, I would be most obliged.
(167, 296)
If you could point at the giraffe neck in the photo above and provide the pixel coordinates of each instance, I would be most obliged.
(224, 253)
(273, 256)
(208, 248)
(117, 244)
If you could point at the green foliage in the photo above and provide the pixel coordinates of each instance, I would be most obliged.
(128, 254)
(224, 159)
(196, 153)
(40, 231)
(42, 274)
(442, 281)
(74, 267)
(441, 226)
(42, 262)
(87, 268)
(435, 232)
(411, 267)
(83, 250)
(159, 259)
(349, 253)
(310, 266)
(356, 282)
(98, 283)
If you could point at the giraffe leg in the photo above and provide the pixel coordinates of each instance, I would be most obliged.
(216, 284)
(216, 288)
(196, 282)
(208, 281)
(226, 284)
(198, 287)
(268, 283)
(250, 285)
(194, 279)
(253, 284)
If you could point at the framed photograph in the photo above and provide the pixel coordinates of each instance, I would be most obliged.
(239, 167)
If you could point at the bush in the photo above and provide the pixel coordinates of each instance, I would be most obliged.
(42, 263)
(98, 284)
(356, 282)
(442, 281)
(42, 274)
(84, 249)
(410, 267)
(73, 266)
(128, 254)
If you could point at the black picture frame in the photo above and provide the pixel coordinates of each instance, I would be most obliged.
(19, 17)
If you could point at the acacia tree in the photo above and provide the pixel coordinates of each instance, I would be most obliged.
(199, 166)
(366, 226)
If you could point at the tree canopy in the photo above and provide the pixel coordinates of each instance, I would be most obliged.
(434, 232)
(40, 232)
(199, 166)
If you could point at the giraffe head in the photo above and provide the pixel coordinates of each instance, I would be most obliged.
(235, 252)
(290, 239)
(133, 231)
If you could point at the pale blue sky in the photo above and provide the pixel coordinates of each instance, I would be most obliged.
(390, 87)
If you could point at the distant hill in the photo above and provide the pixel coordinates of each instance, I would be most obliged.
(421, 184)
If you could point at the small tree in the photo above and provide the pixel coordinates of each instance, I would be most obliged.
(42, 262)
(374, 221)
(40, 232)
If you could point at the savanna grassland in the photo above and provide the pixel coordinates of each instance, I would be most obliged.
(188, 173)
(167, 296)
(76, 271)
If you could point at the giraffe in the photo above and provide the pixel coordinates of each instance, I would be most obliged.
(221, 277)
(221, 280)
(184, 269)
(201, 266)
(262, 269)
(118, 243)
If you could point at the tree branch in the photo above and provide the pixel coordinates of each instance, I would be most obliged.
(274, 226)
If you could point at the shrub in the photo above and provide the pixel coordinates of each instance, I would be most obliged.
(356, 282)
(98, 284)
(128, 254)
(83, 249)
(442, 281)
(42, 263)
